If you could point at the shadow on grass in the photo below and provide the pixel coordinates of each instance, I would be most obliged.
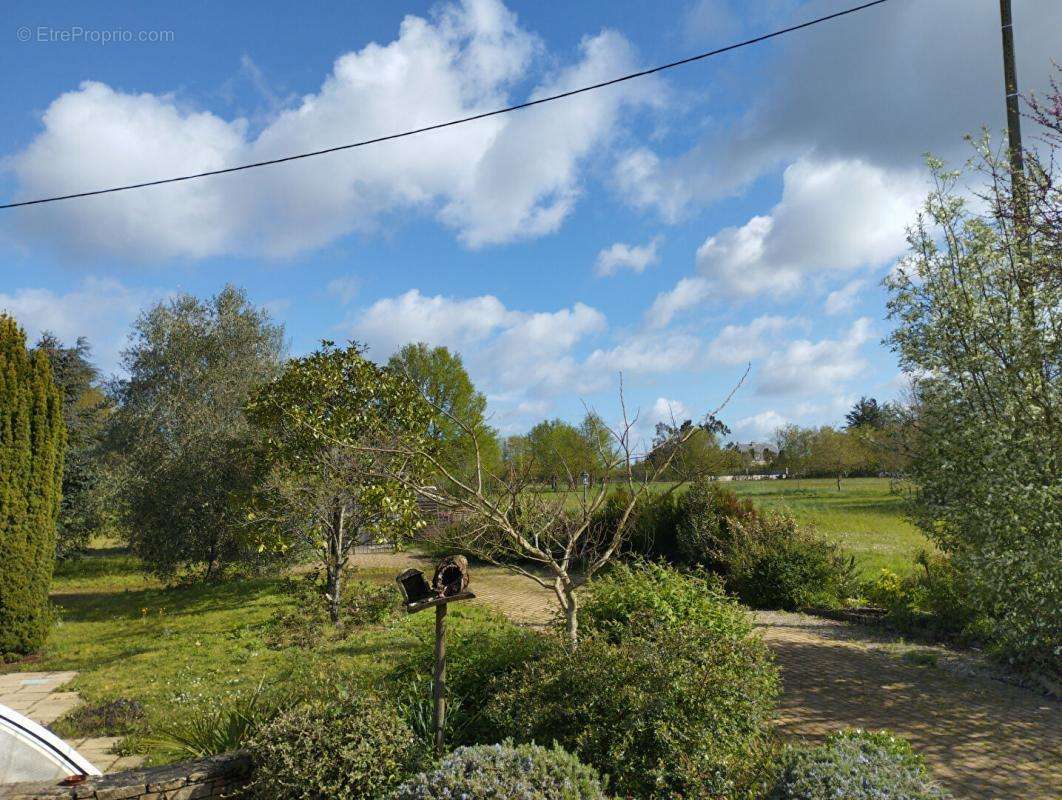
(175, 601)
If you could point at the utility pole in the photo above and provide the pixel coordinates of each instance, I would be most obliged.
(1017, 160)
(1010, 78)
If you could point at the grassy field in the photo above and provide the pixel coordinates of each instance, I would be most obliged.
(181, 648)
(865, 517)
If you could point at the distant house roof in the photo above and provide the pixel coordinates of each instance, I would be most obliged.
(753, 447)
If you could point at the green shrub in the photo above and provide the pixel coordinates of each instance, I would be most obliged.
(888, 591)
(220, 727)
(477, 657)
(32, 443)
(352, 747)
(368, 603)
(935, 599)
(856, 765)
(306, 622)
(651, 529)
(118, 717)
(643, 591)
(705, 520)
(505, 772)
(666, 711)
(777, 564)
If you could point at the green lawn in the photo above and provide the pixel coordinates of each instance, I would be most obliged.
(174, 649)
(865, 517)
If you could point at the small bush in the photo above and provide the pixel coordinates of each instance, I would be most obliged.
(644, 591)
(505, 772)
(777, 564)
(706, 531)
(651, 529)
(353, 747)
(305, 623)
(118, 717)
(666, 711)
(856, 765)
(934, 600)
(367, 603)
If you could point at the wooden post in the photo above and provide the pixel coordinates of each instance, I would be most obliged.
(439, 679)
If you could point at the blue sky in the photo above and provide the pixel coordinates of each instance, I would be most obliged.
(672, 229)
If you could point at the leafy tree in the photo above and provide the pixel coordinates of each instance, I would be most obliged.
(32, 441)
(180, 428)
(319, 494)
(698, 452)
(559, 452)
(837, 453)
(867, 413)
(977, 303)
(442, 379)
(85, 410)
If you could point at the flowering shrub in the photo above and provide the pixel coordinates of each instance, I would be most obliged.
(352, 747)
(856, 765)
(505, 772)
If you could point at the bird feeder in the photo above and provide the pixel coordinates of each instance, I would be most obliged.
(449, 584)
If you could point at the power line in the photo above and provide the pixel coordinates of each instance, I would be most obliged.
(453, 122)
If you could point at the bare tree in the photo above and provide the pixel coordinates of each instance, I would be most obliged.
(553, 537)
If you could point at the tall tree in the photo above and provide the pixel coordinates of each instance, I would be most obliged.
(559, 453)
(192, 366)
(32, 441)
(319, 494)
(85, 410)
(442, 379)
(978, 307)
(866, 413)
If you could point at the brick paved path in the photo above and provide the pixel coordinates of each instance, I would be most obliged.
(983, 738)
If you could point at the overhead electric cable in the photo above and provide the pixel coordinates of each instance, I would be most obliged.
(461, 121)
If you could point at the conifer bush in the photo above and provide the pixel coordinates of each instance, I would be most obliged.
(32, 443)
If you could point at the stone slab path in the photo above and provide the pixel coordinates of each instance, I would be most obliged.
(39, 696)
(986, 740)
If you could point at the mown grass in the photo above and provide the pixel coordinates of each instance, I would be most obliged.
(175, 649)
(866, 517)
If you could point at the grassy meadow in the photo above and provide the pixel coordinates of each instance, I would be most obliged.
(865, 517)
(174, 649)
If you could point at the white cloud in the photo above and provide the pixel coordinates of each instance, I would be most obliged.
(843, 300)
(646, 353)
(814, 368)
(795, 97)
(687, 293)
(100, 309)
(758, 427)
(346, 288)
(627, 256)
(499, 179)
(505, 349)
(737, 344)
(833, 217)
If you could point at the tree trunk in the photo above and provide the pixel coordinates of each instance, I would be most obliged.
(334, 588)
(838, 482)
(335, 562)
(570, 603)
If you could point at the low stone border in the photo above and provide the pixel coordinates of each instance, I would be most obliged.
(215, 777)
